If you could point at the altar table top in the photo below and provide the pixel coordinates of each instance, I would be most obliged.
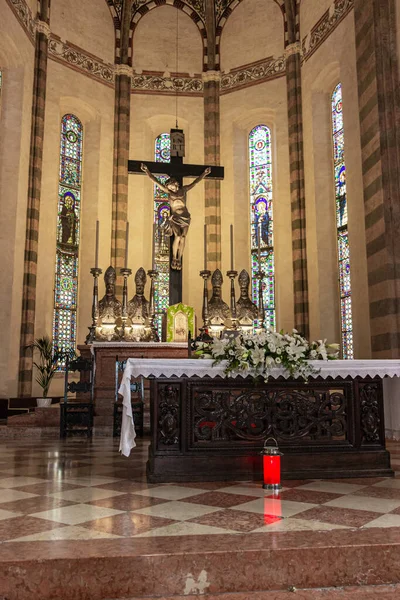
(167, 367)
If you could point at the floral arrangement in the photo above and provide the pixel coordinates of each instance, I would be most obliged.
(257, 354)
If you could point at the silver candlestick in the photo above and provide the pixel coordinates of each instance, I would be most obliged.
(232, 275)
(261, 311)
(204, 335)
(91, 336)
(125, 272)
(154, 334)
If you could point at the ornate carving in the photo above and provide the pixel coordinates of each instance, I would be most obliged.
(218, 310)
(168, 414)
(168, 84)
(24, 15)
(287, 414)
(110, 309)
(246, 310)
(327, 23)
(270, 68)
(138, 307)
(222, 5)
(370, 413)
(79, 59)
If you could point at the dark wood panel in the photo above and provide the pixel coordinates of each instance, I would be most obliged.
(214, 429)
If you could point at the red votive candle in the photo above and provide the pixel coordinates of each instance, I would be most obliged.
(272, 469)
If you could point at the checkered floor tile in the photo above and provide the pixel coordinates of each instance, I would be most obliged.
(79, 489)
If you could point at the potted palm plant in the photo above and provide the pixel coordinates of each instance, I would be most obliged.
(48, 363)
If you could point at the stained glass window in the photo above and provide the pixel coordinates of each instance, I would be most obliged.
(341, 223)
(162, 248)
(68, 229)
(261, 219)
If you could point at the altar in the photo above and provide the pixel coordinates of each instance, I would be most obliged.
(206, 426)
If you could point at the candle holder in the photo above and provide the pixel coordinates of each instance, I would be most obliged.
(204, 335)
(261, 311)
(125, 272)
(232, 275)
(153, 331)
(91, 336)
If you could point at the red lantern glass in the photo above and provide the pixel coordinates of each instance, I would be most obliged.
(271, 466)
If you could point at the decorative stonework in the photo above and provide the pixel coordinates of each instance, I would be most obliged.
(211, 76)
(43, 27)
(252, 74)
(78, 59)
(24, 15)
(160, 84)
(123, 70)
(325, 26)
(291, 49)
(197, 5)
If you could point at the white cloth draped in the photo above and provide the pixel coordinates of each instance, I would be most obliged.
(175, 367)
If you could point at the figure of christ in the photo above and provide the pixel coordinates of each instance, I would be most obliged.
(177, 224)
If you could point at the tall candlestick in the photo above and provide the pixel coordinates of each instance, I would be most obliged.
(96, 258)
(231, 247)
(126, 244)
(259, 245)
(153, 248)
(205, 247)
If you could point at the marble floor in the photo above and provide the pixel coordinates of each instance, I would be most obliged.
(84, 490)
(80, 522)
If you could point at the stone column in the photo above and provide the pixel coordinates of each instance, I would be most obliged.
(379, 112)
(33, 206)
(211, 81)
(212, 189)
(122, 112)
(296, 158)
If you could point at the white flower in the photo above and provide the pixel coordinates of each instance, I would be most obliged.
(278, 360)
(257, 356)
(219, 347)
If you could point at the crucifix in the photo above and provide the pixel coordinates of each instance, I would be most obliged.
(179, 220)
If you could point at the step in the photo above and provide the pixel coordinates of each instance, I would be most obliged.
(370, 592)
(207, 565)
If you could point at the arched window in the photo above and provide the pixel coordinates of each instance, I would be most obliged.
(341, 224)
(68, 228)
(261, 219)
(162, 248)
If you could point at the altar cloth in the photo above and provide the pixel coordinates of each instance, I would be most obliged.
(164, 367)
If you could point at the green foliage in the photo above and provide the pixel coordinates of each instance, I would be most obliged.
(48, 363)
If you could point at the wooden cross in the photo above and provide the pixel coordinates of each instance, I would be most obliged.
(177, 169)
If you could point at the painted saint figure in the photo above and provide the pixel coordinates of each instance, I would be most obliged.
(177, 224)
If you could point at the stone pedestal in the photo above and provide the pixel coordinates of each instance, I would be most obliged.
(106, 355)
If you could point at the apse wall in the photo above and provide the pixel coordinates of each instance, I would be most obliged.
(154, 44)
(252, 32)
(332, 62)
(86, 24)
(16, 64)
(92, 101)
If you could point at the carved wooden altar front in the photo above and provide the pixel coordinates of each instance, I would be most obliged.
(213, 429)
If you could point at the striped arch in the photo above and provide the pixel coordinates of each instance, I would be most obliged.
(291, 19)
(144, 8)
(115, 10)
